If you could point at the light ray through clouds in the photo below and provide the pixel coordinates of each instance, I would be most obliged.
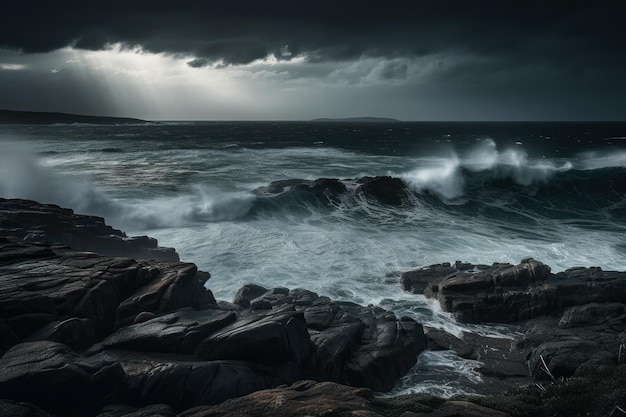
(160, 86)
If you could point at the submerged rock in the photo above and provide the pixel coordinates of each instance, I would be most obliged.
(386, 190)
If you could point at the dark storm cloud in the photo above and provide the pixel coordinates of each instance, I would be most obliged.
(583, 34)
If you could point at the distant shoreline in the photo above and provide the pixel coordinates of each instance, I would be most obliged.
(358, 119)
(48, 118)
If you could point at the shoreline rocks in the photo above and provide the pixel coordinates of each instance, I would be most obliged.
(86, 333)
(30, 221)
(116, 330)
(573, 321)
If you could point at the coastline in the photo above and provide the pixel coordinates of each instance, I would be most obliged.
(47, 118)
(125, 329)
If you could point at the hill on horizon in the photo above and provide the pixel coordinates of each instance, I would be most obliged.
(357, 119)
(47, 118)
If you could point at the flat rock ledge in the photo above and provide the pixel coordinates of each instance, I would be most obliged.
(30, 221)
(572, 323)
(80, 332)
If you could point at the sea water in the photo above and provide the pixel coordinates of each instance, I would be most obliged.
(481, 193)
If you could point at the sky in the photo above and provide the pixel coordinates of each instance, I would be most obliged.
(422, 60)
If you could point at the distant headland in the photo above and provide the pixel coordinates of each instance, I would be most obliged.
(358, 119)
(47, 118)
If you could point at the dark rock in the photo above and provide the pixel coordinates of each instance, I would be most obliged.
(385, 190)
(168, 286)
(248, 293)
(144, 316)
(120, 410)
(441, 340)
(304, 398)
(500, 358)
(418, 280)
(79, 297)
(591, 314)
(7, 337)
(183, 381)
(160, 337)
(573, 321)
(562, 358)
(327, 186)
(361, 346)
(74, 332)
(276, 337)
(52, 376)
(177, 332)
(464, 409)
(30, 221)
(502, 293)
(10, 408)
(582, 343)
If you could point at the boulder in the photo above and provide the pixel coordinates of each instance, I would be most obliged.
(183, 381)
(384, 190)
(464, 409)
(178, 332)
(57, 379)
(593, 314)
(76, 298)
(304, 398)
(122, 410)
(505, 293)
(11, 408)
(360, 346)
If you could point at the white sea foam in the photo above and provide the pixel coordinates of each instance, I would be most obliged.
(23, 176)
(598, 160)
(443, 179)
(440, 373)
(195, 200)
(446, 177)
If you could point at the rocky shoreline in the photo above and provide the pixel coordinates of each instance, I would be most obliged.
(93, 322)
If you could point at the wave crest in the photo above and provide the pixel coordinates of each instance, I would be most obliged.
(447, 177)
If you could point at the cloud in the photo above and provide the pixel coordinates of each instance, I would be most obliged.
(468, 60)
(11, 67)
(242, 31)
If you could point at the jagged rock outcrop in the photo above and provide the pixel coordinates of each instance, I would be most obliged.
(572, 322)
(116, 330)
(500, 358)
(30, 221)
(57, 379)
(505, 293)
(583, 340)
(386, 190)
(50, 292)
(304, 398)
(361, 346)
(380, 190)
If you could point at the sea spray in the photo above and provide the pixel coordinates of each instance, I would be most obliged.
(482, 201)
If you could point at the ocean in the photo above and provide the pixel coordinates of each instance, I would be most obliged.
(477, 192)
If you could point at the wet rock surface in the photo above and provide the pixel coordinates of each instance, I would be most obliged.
(124, 335)
(30, 221)
(82, 333)
(379, 190)
(505, 293)
(572, 323)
